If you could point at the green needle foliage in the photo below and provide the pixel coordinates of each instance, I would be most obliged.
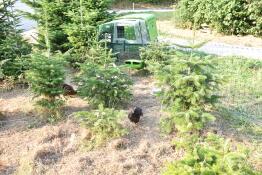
(103, 123)
(156, 52)
(212, 156)
(71, 23)
(98, 53)
(103, 85)
(82, 30)
(189, 87)
(13, 48)
(189, 84)
(46, 75)
(52, 13)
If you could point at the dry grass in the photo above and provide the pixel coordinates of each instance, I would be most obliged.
(167, 29)
(57, 149)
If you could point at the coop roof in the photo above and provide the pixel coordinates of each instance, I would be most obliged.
(125, 21)
(144, 16)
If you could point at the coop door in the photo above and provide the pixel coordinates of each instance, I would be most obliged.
(126, 39)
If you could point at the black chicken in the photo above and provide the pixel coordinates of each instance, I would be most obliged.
(69, 90)
(134, 114)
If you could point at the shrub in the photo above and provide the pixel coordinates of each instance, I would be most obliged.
(14, 51)
(255, 15)
(103, 85)
(226, 16)
(231, 17)
(103, 123)
(46, 76)
(212, 156)
(52, 13)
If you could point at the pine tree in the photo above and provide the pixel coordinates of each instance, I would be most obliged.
(53, 13)
(46, 76)
(82, 31)
(13, 48)
(189, 86)
(72, 23)
(212, 156)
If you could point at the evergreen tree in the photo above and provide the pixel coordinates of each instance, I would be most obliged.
(212, 156)
(71, 23)
(13, 48)
(82, 31)
(46, 76)
(53, 14)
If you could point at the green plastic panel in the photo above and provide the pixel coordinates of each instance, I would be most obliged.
(130, 33)
(150, 20)
(134, 64)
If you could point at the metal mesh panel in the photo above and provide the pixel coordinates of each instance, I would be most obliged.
(126, 51)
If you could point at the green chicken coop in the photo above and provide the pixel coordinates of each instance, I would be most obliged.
(128, 33)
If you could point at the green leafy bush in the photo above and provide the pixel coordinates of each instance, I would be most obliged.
(82, 30)
(225, 16)
(46, 76)
(103, 123)
(103, 85)
(212, 156)
(255, 15)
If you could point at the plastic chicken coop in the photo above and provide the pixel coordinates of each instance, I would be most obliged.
(128, 33)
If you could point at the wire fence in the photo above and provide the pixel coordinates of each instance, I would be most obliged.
(222, 49)
(242, 93)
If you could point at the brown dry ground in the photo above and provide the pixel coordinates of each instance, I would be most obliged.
(57, 148)
(31, 147)
(167, 29)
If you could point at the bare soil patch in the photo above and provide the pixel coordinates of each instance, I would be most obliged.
(57, 149)
(167, 29)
